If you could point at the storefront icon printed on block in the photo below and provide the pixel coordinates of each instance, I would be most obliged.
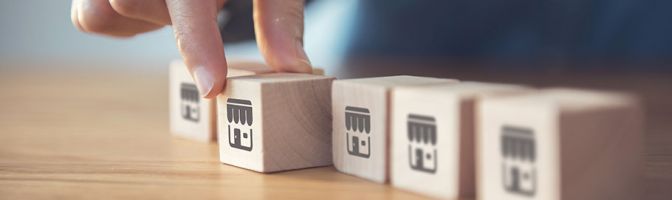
(358, 128)
(189, 106)
(239, 116)
(422, 154)
(518, 159)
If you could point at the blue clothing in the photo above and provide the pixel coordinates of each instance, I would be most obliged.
(515, 30)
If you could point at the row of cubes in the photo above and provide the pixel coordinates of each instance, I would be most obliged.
(438, 137)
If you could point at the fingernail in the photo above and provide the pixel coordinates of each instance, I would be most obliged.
(204, 80)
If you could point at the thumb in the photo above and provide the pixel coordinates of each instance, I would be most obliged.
(278, 26)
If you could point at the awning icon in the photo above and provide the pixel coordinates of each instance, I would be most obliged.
(357, 119)
(189, 92)
(239, 111)
(422, 129)
(518, 143)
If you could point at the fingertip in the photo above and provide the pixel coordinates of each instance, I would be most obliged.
(285, 54)
(199, 42)
(210, 81)
(279, 32)
(289, 63)
(217, 88)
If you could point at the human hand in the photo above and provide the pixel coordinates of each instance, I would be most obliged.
(278, 28)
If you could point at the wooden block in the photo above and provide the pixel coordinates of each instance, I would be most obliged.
(191, 116)
(560, 144)
(433, 132)
(275, 122)
(360, 135)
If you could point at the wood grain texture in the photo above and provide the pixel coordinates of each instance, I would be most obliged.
(360, 126)
(83, 132)
(560, 144)
(275, 122)
(104, 134)
(433, 131)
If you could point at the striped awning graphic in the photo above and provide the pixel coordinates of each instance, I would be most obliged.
(518, 143)
(189, 92)
(357, 119)
(239, 111)
(421, 129)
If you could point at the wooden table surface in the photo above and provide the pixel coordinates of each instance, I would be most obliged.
(100, 133)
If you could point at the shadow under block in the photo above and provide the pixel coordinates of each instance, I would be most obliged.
(275, 122)
(433, 130)
(191, 116)
(560, 144)
(360, 125)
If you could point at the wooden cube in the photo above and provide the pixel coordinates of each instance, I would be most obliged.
(432, 149)
(275, 122)
(560, 144)
(360, 125)
(191, 116)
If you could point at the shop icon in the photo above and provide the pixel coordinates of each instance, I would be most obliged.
(518, 159)
(422, 155)
(189, 106)
(239, 116)
(358, 128)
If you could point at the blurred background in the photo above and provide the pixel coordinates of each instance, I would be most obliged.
(623, 45)
(39, 33)
(598, 44)
(342, 35)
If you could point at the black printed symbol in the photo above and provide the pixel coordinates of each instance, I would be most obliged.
(190, 102)
(518, 153)
(239, 116)
(358, 127)
(422, 155)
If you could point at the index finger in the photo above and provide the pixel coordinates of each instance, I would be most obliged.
(199, 42)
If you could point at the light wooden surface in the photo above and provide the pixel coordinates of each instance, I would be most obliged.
(275, 122)
(86, 133)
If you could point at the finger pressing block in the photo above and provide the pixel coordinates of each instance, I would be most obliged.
(433, 130)
(360, 126)
(191, 116)
(560, 144)
(275, 122)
